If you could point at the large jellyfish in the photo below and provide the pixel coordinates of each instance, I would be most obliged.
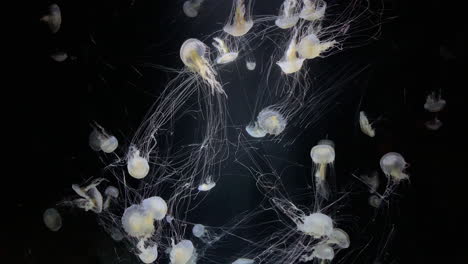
(394, 165)
(254, 130)
(313, 10)
(434, 103)
(250, 64)
(191, 7)
(99, 139)
(91, 197)
(366, 127)
(138, 222)
(317, 225)
(182, 253)
(198, 230)
(225, 54)
(310, 46)
(289, 14)
(147, 254)
(137, 166)
(53, 19)
(156, 206)
(290, 63)
(194, 55)
(52, 219)
(271, 121)
(323, 154)
(240, 20)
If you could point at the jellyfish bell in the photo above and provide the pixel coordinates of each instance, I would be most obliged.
(198, 230)
(138, 222)
(290, 63)
(91, 197)
(191, 7)
(316, 225)
(53, 19)
(311, 47)
(156, 206)
(240, 20)
(375, 201)
(254, 130)
(59, 56)
(339, 237)
(393, 165)
(271, 121)
(289, 14)
(366, 127)
(206, 186)
(99, 140)
(324, 252)
(323, 152)
(433, 124)
(313, 10)
(225, 55)
(243, 261)
(182, 252)
(52, 219)
(109, 144)
(137, 166)
(147, 254)
(250, 65)
(116, 234)
(434, 103)
(111, 193)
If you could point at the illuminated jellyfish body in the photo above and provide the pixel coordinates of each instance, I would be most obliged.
(147, 254)
(323, 154)
(271, 121)
(138, 219)
(290, 63)
(240, 20)
(225, 55)
(320, 251)
(91, 198)
(137, 166)
(366, 127)
(110, 193)
(393, 166)
(59, 56)
(243, 261)
(310, 46)
(317, 225)
(100, 140)
(198, 230)
(434, 103)
(313, 10)
(433, 124)
(339, 238)
(183, 253)
(52, 219)
(191, 7)
(254, 130)
(250, 64)
(288, 15)
(53, 19)
(207, 185)
(194, 55)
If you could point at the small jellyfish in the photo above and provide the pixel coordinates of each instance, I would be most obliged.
(323, 154)
(147, 254)
(208, 185)
(191, 7)
(313, 10)
(434, 103)
(250, 64)
(198, 230)
(111, 193)
(316, 225)
(59, 56)
(371, 181)
(366, 127)
(169, 218)
(193, 55)
(137, 166)
(225, 55)
(323, 251)
(99, 139)
(394, 165)
(433, 124)
(91, 197)
(375, 201)
(339, 237)
(290, 63)
(52, 219)
(254, 130)
(240, 20)
(271, 121)
(116, 234)
(53, 19)
(243, 261)
(156, 206)
(288, 15)
(138, 222)
(311, 47)
(182, 252)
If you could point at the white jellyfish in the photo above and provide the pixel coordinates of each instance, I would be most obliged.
(53, 19)
(433, 124)
(225, 54)
(147, 254)
(375, 201)
(323, 251)
(52, 219)
(317, 225)
(311, 47)
(156, 206)
(254, 130)
(271, 121)
(243, 261)
(371, 181)
(182, 252)
(206, 186)
(240, 20)
(323, 154)
(99, 139)
(313, 10)
(339, 237)
(59, 56)
(250, 64)
(366, 127)
(111, 193)
(193, 54)
(393, 165)
(91, 197)
(169, 218)
(191, 7)
(434, 103)
(288, 15)
(290, 63)
(137, 166)
(138, 222)
(198, 230)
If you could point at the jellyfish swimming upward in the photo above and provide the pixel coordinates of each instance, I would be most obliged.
(240, 21)
(323, 154)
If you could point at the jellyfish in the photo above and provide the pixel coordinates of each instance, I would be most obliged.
(313, 10)
(99, 139)
(147, 254)
(271, 121)
(394, 165)
(243, 261)
(138, 222)
(111, 193)
(311, 47)
(91, 197)
(290, 63)
(434, 103)
(182, 253)
(375, 201)
(52, 219)
(339, 237)
(371, 181)
(289, 14)
(193, 53)
(191, 7)
(156, 206)
(324, 252)
(137, 166)
(250, 64)
(53, 19)
(225, 55)
(317, 225)
(198, 230)
(208, 185)
(116, 234)
(366, 128)
(433, 124)
(254, 130)
(240, 20)
(59, 56)
(322, 155)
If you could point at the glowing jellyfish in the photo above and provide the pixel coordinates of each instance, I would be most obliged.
(198, 230)
(290, 63)
(240, 20)
(225, 55)
(193, 54)
(323, 154)
(311, 47)
(59, 56)
(366, 127)
(147, 254)
(191, 7)
(137, 166)
(339, 237)
(317, 225)
(156, 206)
(111, 193)
(313, 10)
(271, 121)
(254, 130)
(434, 103)
(375, 201)
(52, 219)
(371, 181)
(99, 139)
(394, 165)
(53, 19)
(250, 64)
(289, 14)
(208, 185)
(169, 218)
(323, 251)
(182, 253)
(138, 222)
(243, 261)
(433, 124)
(91, 197)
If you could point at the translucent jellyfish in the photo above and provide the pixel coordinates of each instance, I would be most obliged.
(156, 206)
(193, 53)
(169, 218)
(394, 165)
(147, 254)
(191, 7)
(288, 15)
(59, 56)
(375, 201)
(317, 225)
(182, 253)
(91, 197)
(198, 230)
(433, 124)
(116, 234)
(434, 103)
(240, 20)
(137, 166)
(53, 19)
(99, 139)
(208, 185)
(271, 121)
(138, 222)
(52, 219)
(323, 154)
(290, 63)
(313, 10)
(111, 193)
(339, 237)
(225, 55)
(366, 128)
(243, 261)
(323, 251)
(250, 65)
(371, 181)
(311, 47)
(254, 130)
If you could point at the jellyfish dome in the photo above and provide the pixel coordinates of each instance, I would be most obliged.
(434, 104)
(323, 152)
(137, 166)
(191, 7)
(239, 21)
(198, 230)
(433, 124)
(366, 127)
(59, 56)
(109, 144)
(156, 206)
(225, 55)
(375, 201)
(310, 46)
(111, 193)
(52, 219)
(147, 254)
(100, 140)
(271, 121)
(393, 165)
(313, 10)
(317, 225)
(323, 251)
(182, 253)
(53, 19)
(288, 16)
(254, 130)
(138, 222)
(339, 237)
(243, 261)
